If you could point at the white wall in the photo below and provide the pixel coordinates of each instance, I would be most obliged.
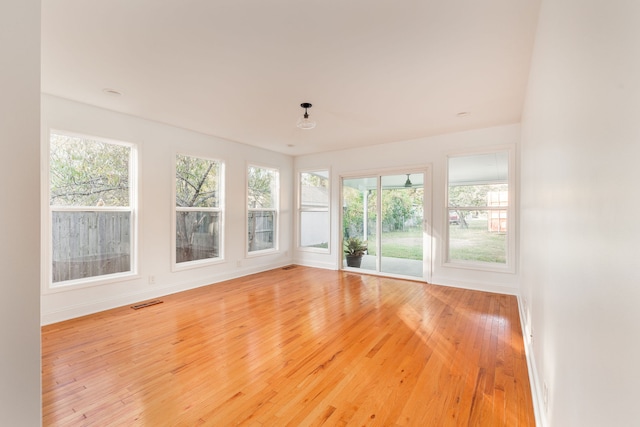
(19, 174)
(579, 211)
(158, 144)
(415, 154)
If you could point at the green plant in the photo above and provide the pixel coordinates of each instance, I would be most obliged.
(355, 246)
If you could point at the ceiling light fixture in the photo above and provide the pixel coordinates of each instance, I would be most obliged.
(305, 122)
(408, 183)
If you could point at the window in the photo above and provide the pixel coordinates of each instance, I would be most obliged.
(91, 197)
(478, 210)
(313, 211)
(198, 221)
(262, 208)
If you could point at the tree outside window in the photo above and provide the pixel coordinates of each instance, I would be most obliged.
(198, 209)
(91, 207)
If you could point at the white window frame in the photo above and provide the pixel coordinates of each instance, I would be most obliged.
(46, 234)
(178, 266)
(510, 265)
(302, 209)
(275, 210)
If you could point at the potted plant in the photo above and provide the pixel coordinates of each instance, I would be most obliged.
(354, 249)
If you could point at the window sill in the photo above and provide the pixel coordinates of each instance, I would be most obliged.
(262, 252)
(188, 265)
(480, 266)
(71, 285)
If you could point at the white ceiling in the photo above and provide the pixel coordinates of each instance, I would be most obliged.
(375, 70)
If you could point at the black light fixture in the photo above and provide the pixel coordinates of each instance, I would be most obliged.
(305, 122)
(408, 183)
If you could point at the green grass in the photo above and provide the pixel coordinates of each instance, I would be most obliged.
(323, 245)
(476, 243)
(399, 244)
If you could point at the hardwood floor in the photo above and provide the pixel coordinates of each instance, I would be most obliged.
(298, 347)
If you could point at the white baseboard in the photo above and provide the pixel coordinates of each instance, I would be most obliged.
(534, 378)
(323, 265)
(95, 306)
(475, 286)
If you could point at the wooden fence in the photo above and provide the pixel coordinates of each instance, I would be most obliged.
(90, 243)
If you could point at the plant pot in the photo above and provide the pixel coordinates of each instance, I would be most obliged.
(354, 261)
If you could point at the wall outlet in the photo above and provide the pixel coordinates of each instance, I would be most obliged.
(238, 264)
(152, 280)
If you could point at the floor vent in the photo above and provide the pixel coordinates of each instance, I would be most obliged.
(146, 304)
(289, 267)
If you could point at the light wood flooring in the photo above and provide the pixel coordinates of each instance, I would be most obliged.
(296, 347)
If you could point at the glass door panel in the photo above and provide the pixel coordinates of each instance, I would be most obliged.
(359, 221)
(402, 214)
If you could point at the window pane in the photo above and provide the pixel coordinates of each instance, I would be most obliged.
(86, 172)
(89, 244)
(262, 188)
(314, 189)
(314, 229)
(262, 229)
(314, 210)
(197, 235)
(478, 236)
(197, 182)
(490, 168)
(482, 195)
(359, 216)
(401, 240)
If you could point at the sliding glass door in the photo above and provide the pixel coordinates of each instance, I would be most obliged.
(385, 215)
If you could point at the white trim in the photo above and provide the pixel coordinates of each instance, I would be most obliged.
(478, 266)
(90, 208)
(316, 264)
(198, 263)
(365, 173)
(429, 239)
(46, 246)
(534, 378)
(124, 299)
(89, 282)
(262, 252)
(315, 250)
(476, 286)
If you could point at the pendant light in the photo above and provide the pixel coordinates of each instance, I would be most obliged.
(305, 122)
